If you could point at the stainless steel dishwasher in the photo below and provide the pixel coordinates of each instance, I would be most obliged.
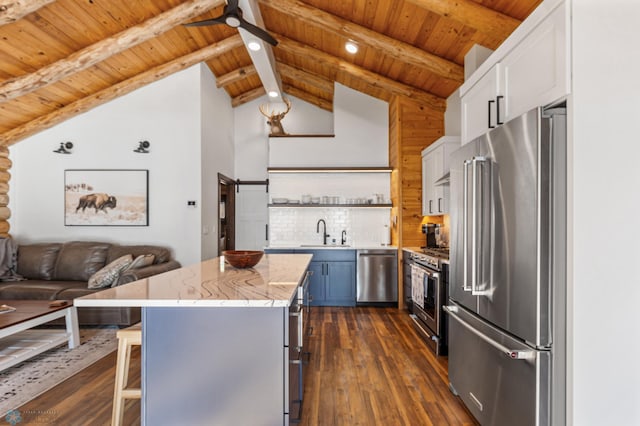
(377, 278)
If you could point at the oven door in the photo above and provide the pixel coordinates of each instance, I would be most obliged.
(429, 311)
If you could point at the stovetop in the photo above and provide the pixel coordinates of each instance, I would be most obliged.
(439, 252)
(432, 257)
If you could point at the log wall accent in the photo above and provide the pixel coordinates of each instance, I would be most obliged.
(5, 176)
(412, 127)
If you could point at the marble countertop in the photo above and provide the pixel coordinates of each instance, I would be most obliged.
(271, 283)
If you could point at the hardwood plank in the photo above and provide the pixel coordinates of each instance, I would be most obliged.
(373, 361)
(368, 366)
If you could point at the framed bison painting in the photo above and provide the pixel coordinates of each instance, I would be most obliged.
(106, 197)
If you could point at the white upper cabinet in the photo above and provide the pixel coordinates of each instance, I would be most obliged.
(478, 105)
(435, 164)
(532, 70)
(536, 72)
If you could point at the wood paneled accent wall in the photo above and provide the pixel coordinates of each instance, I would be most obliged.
(412, 128)
(5, 213)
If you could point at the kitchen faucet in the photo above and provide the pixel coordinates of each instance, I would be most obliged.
(344, 237)
(324, 231)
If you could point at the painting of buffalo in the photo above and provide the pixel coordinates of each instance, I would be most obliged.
(106, 198)
(98, 201)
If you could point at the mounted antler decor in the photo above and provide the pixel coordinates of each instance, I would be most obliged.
(275, 119)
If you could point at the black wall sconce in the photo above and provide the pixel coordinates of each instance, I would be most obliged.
(143, 147)
(65, 148)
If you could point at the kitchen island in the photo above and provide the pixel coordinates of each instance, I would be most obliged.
(220, 345)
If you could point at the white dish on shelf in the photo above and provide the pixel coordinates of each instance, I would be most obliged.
(279, 200)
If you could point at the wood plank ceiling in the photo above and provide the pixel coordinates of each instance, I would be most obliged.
(59, 58)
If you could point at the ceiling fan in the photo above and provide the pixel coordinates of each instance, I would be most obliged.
(232, 16)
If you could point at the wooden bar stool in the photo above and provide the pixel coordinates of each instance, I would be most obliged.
(126, 338)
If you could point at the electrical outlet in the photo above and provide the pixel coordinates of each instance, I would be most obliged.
(191, 203)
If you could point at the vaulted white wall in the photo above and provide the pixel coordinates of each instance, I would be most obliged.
(360, 125)
(181, 115)
(217, 157)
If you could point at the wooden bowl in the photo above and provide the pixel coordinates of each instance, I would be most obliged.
(242, 258)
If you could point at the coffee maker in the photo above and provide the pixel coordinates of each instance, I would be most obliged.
(432, 233)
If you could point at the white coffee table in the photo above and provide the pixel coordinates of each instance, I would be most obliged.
(19, 341)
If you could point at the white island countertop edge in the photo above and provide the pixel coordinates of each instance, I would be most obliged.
(212, 283)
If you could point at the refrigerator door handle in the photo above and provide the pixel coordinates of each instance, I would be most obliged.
(510, 353)
(465, 226)
(477, 204)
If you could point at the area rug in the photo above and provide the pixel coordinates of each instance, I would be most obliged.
(25, 381)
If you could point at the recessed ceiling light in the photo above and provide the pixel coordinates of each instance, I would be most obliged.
(351, 47)
(273, 94)
(254, 45)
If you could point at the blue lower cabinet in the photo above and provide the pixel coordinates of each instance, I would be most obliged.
(316, 283)
(340, 284)
(333, 282)
(333, 278)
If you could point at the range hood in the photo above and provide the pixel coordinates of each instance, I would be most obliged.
(444, 180)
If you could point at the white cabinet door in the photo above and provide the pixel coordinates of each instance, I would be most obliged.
(433, 196)
(478, 106)
(435, 163)
(427, 180)
(536, 72)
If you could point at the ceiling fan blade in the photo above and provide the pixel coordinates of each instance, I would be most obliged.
(214, 21)
(258, 32)
(232, 6)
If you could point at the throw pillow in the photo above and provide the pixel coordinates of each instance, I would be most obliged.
(142, 261)
(107, 275)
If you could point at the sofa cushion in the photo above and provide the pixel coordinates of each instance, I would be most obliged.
(142, 261)
(110, 273)
(161, 254)
(36, 289)
(37, 261)
(75, 292)
(79, 260)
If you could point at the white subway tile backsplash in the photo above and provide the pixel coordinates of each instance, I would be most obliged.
(295, 226)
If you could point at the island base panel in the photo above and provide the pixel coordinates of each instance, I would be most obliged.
(213, 366)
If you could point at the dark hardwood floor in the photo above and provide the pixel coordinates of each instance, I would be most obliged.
(368, 367)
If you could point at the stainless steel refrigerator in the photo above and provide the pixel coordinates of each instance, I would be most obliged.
(507, 283)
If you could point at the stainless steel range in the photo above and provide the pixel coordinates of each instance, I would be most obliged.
(429, 279)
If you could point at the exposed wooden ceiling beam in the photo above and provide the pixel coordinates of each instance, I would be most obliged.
(13, 10)
(389, 46)
(248, 96)
(262, 59)
(314, 80)
(105, 48)
(308, 97)
(376, 80)
(235, 76)
(119, 89)
(473, 15)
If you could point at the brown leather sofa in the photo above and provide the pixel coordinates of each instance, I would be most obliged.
(61, 271)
